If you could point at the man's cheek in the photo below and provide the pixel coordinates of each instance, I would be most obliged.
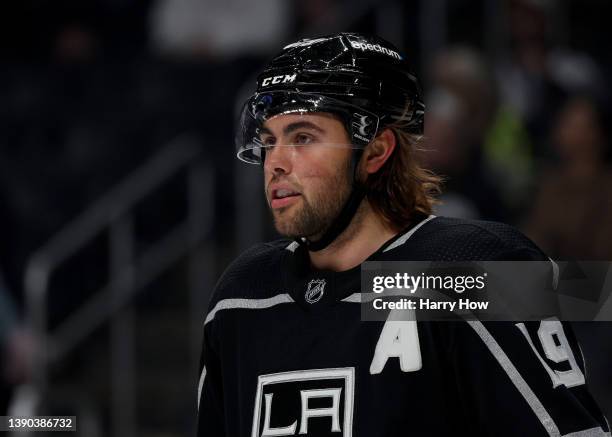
(314, 185)
(316, 173)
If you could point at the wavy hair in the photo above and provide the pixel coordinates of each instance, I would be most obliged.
(402, 187)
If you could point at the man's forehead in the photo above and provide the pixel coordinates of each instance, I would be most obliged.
(317, 120)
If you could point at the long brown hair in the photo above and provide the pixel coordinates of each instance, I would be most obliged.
(402, 187)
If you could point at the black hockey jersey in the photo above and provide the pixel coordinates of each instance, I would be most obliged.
(285, 353)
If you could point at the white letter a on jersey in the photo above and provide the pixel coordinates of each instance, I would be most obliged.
(398, 339)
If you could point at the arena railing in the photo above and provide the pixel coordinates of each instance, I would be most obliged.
(129, 273)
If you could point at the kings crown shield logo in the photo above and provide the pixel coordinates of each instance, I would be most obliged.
(315, 290)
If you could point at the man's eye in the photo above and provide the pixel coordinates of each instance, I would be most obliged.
(303, 139)
(268, 141)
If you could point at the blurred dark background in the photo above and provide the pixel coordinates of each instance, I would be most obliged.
(121, 200)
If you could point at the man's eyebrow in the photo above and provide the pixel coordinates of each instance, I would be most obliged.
(301, 125)
(264, 131)
(291, 127)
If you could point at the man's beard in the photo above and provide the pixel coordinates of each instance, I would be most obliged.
(316, 215)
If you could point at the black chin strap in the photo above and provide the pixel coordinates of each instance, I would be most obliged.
(345, 216)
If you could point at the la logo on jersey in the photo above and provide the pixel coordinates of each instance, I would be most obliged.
(315, 290)
(306, 403)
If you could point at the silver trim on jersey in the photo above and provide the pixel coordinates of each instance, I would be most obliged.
(555, 278)
(201, 385)
(368, 297)
(591, 432)
(294, 245)
(353, 298)
(249, 304)
(516, 378)
(401, 240)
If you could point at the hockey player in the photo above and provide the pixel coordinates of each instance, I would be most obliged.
(335, 123)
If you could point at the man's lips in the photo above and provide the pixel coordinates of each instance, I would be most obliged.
(285, 201)
(282, 196)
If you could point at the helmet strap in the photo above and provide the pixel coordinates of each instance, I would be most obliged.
(344, 218)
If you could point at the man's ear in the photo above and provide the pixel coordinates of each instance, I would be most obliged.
(378, 151)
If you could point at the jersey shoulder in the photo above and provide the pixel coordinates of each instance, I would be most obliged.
(256, 273)
(455, 239)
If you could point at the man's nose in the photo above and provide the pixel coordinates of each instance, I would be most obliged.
(279, 159)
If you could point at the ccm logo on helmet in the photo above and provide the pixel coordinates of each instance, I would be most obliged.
(375, 48)
(283, 78)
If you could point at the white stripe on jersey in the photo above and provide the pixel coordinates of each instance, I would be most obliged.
(401, 240)
(250, 304)
(353, 298)
(200, 385)
(516, 378)
(292, 246)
